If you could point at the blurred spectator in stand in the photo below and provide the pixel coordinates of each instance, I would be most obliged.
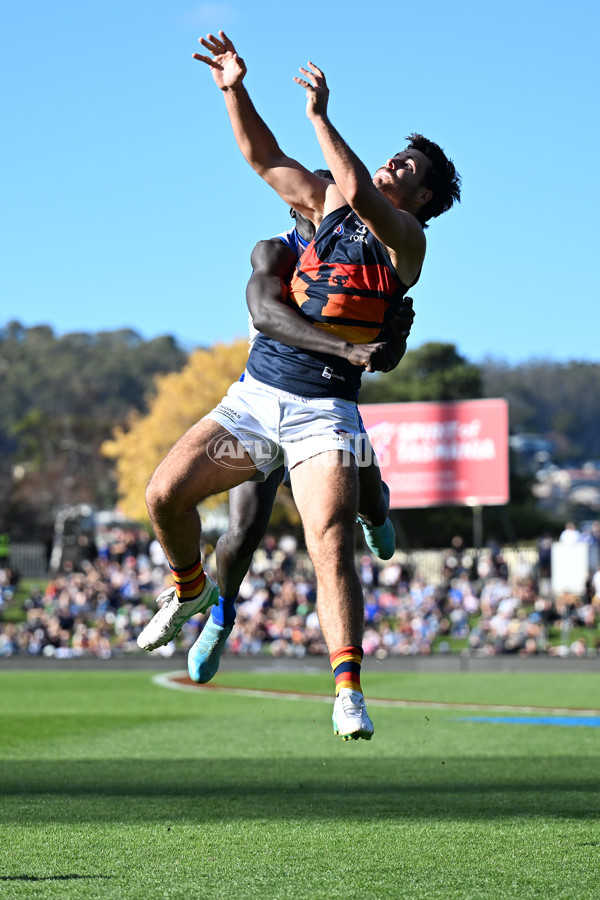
(545, 555)
(99, 608)
(591, 536)
(570, 534)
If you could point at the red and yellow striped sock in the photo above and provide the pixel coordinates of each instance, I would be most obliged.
(189, 582)
(345, 663)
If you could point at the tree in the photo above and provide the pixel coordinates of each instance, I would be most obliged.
(550, 398)
(433, 371)
(182, 398)
(61, 398)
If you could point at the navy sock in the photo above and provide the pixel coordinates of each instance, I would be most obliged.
(223, 612)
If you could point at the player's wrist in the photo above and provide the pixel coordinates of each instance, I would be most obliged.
(232, 88)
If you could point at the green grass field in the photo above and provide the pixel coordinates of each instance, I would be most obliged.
(115, 787)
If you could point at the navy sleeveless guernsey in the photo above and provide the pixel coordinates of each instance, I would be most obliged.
(352, 295)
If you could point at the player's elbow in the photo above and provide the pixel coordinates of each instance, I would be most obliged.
(260, 318)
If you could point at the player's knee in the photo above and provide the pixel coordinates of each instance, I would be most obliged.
(240, 541)
(329, 537)
(161, 497)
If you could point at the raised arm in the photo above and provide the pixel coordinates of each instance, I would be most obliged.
(297, 186)
(397, 229)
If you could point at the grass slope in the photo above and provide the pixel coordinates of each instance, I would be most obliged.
(113, 787)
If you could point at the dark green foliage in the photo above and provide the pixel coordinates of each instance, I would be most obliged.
(550, 398)
(61, 398)
(434, 371)
(434, 528)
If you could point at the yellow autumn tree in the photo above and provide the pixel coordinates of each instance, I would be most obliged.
(181, 399)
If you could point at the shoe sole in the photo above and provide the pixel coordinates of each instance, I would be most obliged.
(353, 735)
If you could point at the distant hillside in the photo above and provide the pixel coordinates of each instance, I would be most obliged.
(60, 398)
(561, 400)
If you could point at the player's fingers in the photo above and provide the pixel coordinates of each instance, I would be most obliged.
(315, 69)
(207, 43)
(207, 59)
(301, 82)
(309, 75)
(226, 42)
(219, 46)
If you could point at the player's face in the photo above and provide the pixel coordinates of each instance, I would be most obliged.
(402, 176)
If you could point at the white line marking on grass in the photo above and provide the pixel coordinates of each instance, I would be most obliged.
(180, 681)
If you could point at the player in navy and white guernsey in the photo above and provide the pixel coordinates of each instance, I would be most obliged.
(264, 424)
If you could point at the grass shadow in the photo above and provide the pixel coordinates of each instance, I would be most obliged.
(299, 788)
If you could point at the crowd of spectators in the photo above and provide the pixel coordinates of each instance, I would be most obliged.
(99, 606)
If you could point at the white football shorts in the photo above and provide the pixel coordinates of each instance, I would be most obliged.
(277, 428)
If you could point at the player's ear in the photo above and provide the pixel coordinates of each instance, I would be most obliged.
(424, 195)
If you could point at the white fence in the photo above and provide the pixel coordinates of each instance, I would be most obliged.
(428, 564)
(30, 560)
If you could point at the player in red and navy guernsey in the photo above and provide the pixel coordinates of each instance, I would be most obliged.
(251, 503)
(265, 424)
(347, 287)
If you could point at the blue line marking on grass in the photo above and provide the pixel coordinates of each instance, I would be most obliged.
(564, 721)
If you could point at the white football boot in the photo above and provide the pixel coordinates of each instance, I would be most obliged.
(173, 614)
(350, 718)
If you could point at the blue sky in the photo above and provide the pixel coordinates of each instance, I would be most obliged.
(127, 204)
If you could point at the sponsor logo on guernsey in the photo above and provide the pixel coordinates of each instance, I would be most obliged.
(329, 373)
(361, 232)
(339, 229)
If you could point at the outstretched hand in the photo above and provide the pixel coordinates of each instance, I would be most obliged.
(228, 69)
(317, 92)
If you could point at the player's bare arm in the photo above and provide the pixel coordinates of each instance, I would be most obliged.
(297, 186)
(273, 263)
(398, 229)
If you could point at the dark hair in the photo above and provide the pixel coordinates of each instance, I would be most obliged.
(441, 178)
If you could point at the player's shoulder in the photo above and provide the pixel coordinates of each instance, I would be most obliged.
(286, 237)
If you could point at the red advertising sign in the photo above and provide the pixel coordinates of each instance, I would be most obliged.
(441, 454)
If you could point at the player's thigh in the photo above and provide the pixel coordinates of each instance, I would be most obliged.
(206, 460)
(325, 490)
